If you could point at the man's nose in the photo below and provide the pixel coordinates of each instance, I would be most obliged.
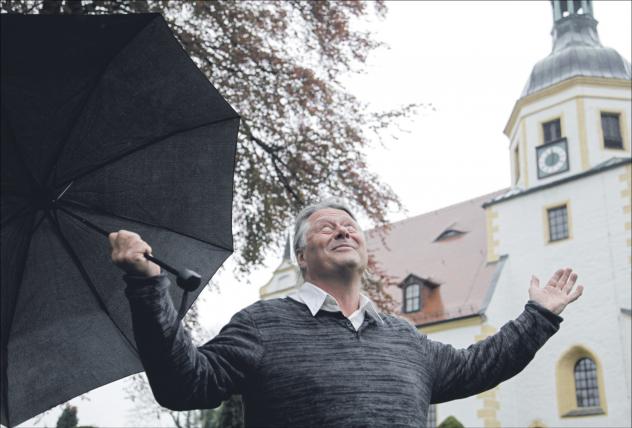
(342, 232)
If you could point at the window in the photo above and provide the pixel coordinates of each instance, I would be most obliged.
(517, 161)
(551, 131)
(431, 420)
(586, 386)
(580, 384)
(412, 298)
(558, 223)
(576, 6)
(449, 233)
(611, 129)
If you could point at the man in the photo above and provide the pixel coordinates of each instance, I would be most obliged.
(325, 356)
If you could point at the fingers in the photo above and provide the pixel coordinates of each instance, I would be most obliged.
(112, 238)
(575, 294)
(535, 282)
(568, 287)
(128, 252)
(555, 278)
(564, 278)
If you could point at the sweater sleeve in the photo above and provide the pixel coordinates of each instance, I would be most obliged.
(181, 376)
(461, 373)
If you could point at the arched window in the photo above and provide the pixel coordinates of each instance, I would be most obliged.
(580, 384)
(586, 385)
(412, 298)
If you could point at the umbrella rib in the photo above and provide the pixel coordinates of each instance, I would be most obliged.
(80, 111)
(101, 211)
(75, 258)
(71, 128)
(145, 145)
(5, 339)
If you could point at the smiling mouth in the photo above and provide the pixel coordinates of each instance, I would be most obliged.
(344, 246)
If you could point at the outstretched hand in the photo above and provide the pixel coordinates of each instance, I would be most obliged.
(558, 292)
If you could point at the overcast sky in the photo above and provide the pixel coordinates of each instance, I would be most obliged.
(470, 60)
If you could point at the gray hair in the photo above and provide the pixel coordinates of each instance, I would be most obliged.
(301, 224)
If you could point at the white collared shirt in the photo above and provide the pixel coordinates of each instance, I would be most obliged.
(318, 299)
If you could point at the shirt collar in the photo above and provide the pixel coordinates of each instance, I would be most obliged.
(318, 299)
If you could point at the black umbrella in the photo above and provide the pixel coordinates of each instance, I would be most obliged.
(107, 124)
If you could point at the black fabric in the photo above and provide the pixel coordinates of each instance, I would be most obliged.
(111, 110)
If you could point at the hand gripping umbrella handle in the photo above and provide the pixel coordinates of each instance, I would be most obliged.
(187, 279)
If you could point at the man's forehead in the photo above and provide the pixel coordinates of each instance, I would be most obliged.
(329, 214)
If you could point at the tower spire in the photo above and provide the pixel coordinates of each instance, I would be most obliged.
(573, 24)
(287, 252)
(564, 8)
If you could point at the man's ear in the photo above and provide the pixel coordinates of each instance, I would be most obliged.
(300, 259)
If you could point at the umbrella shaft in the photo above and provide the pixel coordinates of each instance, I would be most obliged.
(187, 279)
(86, 222)
(162, 264)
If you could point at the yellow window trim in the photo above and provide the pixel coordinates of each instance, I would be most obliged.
(623, 130)
(545, 222)
(565, 379)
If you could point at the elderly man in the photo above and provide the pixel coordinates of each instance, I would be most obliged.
(325, 356)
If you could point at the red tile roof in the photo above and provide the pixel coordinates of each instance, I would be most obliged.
(457, 263)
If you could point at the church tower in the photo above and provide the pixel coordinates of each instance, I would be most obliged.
(285, 279)
(569, 205)
(574, 111)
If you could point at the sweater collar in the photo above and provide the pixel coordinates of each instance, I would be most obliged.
(318, 299)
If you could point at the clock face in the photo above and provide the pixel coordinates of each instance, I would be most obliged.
(552, 159)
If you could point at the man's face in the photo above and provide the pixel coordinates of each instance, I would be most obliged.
(334, 245)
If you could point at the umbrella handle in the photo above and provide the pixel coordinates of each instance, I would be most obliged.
(187, 279)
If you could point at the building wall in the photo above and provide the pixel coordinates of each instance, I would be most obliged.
(579, 108)
(465, 409)
(599, 252)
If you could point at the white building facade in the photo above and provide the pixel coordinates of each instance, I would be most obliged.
(568, 206)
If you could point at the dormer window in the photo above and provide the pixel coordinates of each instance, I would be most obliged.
(449, 233)
(412, 287)
(412, 298)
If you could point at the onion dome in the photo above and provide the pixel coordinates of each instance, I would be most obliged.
(577, 50)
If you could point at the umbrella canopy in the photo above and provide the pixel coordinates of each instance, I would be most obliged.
(107, 118)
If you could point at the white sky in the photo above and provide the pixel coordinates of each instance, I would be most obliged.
(471, 61)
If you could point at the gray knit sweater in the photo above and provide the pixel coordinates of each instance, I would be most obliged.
(293, 369)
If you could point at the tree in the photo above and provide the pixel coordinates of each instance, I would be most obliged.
(68, 418)
(302, 135)
(280, 65)
(231, 413)
(450, 422)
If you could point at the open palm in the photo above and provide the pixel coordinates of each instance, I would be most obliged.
(558, 292)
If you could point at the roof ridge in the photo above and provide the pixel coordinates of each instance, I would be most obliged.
(399, 222)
